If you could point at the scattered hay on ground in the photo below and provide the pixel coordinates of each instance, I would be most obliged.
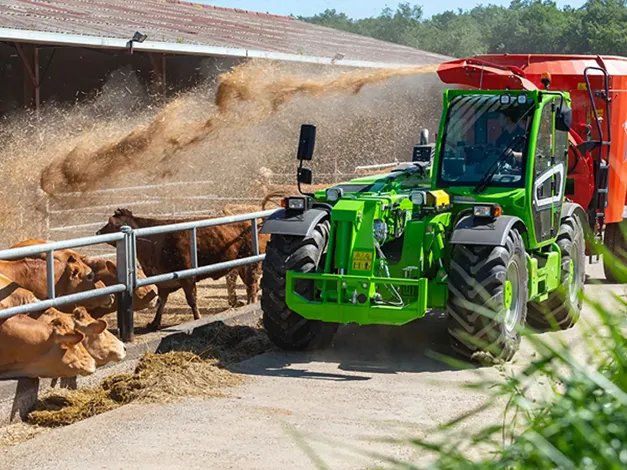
(188, 366)
(63, 407)
(226, 344)
(17, 433)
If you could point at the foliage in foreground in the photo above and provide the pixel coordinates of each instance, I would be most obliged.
(581, 424)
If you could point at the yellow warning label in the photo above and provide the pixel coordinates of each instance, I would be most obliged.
(581, 86)
(362, 260)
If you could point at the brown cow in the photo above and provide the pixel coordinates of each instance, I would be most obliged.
(13, 295)
(71, 276)
(251, 273)
(103, 346)
(30, 348)
(169, 252)
(106, 272)
(100, 343)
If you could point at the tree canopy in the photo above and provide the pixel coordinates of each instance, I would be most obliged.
(526, 26)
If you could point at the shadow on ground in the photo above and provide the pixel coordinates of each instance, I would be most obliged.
(364, 351)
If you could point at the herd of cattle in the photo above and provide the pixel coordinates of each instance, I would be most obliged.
(74, 340)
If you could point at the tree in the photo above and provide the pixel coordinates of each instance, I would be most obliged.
(526, 26)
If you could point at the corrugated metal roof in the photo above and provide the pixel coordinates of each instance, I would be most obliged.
(189, 25)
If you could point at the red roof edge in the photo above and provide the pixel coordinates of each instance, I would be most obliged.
(234, 10)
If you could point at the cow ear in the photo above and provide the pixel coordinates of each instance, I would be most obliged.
(68, 340)
(122, 212)
(74, 273)
(111, 266)
(79, 313)
(95, 327)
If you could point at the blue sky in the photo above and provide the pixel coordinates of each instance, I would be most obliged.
(355, 8)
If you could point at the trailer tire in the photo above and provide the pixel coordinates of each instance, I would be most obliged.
(563, 307)
(286, 328)
(487, 298)
(616, 243)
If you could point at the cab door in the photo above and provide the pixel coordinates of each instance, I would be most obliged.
(549, 175)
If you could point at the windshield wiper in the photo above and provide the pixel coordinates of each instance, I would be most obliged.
(487, 177)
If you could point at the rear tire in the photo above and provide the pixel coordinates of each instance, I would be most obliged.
(563, 307)
(487, 298)
(615, 242)
(286, 328)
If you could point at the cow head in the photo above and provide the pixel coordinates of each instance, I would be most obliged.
(79, 277)
(120, 218)
(106, 271)
(79, 271)
(74, 358)
(100, 343)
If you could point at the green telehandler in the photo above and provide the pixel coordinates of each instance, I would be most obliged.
(476, 225)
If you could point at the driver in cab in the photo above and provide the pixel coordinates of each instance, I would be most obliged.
(511, 140)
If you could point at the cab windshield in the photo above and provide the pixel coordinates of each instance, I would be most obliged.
(485, 141)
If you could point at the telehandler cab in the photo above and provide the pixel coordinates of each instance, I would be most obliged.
(478, 224)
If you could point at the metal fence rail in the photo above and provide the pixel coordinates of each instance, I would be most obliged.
(126, 260)
(49, 249)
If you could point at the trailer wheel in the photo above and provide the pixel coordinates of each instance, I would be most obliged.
(487, 298)
(563, 307)
(286, 328)
(615, 242)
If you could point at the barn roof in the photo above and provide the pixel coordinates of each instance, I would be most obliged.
(188, 28)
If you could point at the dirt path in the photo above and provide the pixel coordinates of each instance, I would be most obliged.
(374, 383)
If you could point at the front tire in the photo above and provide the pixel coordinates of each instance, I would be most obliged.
(563, 307)
(487, 298)
(286, 328)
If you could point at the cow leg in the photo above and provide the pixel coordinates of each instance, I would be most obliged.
(231, 286)
(252, 276)
(163, 298)
(189, 287)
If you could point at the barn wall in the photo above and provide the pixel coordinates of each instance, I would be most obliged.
(74, 74)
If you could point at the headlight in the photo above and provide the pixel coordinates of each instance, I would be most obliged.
(487, 210)
(334, 194)
(418, 199)
(380, 230)
(294, 203)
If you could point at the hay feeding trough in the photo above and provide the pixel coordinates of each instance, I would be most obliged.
(186, 365)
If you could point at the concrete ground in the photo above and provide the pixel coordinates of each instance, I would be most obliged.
(375, 382)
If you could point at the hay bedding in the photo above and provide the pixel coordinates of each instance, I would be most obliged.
(188, 366)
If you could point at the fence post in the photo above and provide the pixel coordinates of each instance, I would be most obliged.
(255, 237)
(50, 273)
(194, 248)
(124, 253)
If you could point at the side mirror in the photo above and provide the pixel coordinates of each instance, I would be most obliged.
(306, 142)
(305, 176)
(564, 119)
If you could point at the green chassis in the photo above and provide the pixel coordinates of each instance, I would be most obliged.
(348, 297)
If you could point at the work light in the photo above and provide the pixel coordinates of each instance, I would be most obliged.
(380, 230)
(295, 203)
(334, 194)
(418, 198)
(488, 211)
